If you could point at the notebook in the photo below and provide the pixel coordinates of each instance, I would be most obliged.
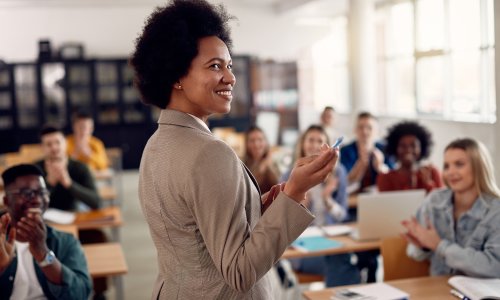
(380, 214)
(476, 288)
(315, 243)
(374, 291)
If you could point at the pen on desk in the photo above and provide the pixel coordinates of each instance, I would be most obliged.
(458, 294)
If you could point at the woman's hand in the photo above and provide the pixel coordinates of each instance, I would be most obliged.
(420, 236)
(310, 171)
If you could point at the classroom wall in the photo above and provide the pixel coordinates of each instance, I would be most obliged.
(109, 28)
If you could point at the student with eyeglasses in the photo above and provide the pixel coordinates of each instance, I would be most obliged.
(36, 261)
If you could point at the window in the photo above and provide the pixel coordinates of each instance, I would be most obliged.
(323, 71)
(436, 58)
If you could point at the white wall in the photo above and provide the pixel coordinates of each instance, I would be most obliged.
(109, 28)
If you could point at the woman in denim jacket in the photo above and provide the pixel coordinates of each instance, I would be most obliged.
(458, 228)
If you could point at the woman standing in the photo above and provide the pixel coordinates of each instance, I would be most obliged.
(201, 203)
(258, 159)
(409, 143)
(457, 229)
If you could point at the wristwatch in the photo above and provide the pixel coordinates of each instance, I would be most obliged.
(49, 259)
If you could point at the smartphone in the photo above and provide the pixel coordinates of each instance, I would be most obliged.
(338, 141)
(350, 295)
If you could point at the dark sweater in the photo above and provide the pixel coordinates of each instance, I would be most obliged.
(82, 188)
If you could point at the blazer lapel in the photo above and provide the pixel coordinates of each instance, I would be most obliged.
(251, 177)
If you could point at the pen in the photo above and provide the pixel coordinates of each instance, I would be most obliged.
(338, 142)
(458, 294)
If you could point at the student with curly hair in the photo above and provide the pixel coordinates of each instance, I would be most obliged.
(410, 143)
(215, 236)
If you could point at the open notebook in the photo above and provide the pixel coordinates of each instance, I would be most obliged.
(476, 288)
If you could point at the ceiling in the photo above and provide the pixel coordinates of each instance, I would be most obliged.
(299, 8)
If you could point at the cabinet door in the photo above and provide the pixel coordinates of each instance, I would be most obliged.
(134, 111)
(53, 93)
(79, 87)
(108, 96)
(6, 105)
(26, 96)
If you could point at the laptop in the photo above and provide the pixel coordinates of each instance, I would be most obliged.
(380, 214)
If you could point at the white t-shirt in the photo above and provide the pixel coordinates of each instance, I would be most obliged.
(26, 285)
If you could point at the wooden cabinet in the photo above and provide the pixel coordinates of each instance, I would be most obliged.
(36, 93)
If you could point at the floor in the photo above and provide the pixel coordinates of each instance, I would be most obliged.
(138, 247)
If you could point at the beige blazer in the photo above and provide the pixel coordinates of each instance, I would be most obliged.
(203, 211)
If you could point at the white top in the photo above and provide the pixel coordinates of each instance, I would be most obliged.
(26, 285)
(200, 121)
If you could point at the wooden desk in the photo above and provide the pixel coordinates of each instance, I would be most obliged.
(107, 259)
(348, 245)
(107, 217)
(105, 175)
(100, 218)
(421, 288)
(108, 193)
(71, 229)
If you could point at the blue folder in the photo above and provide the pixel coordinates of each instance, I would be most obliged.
(315, 243)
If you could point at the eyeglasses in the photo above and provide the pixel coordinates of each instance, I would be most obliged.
(29, 193)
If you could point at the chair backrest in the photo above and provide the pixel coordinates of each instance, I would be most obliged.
(397, 265)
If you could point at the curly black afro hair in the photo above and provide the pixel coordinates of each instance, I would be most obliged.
(169, 42)
(399, 130)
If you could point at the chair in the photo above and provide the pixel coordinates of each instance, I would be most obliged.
(397, 265)
(303, 278)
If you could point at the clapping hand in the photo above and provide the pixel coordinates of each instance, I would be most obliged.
(57, 172)
(6, 244)
(420, 236)
(31, 228)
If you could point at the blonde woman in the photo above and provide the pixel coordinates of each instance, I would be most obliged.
(328, 202)
(458, 228)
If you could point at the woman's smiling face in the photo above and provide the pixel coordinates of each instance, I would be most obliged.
(207, 87)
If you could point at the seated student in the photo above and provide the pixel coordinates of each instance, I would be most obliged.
(71, 187)
(457, 229)
(327, 119)
(84, 147)
(36, 261)
(328, 202)
(364, 158)
(69, 182)
(258, 159)
(409, 142)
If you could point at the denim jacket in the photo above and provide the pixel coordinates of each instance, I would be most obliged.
(472, 246)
